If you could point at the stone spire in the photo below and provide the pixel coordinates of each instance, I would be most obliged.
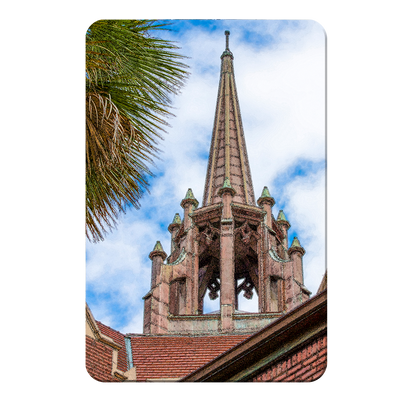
(230, 247)
(228, 155)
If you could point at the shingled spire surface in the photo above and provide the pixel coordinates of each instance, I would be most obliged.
(228, 155)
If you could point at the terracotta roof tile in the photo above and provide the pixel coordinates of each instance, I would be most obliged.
(161, 357)
(118, 338)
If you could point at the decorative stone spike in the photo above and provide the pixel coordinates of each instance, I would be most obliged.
(226, 187)
(189, 198)
(282, 219)
(266, 198)
(177, 219)
(158, 251)
(176, 222)
(296, 246)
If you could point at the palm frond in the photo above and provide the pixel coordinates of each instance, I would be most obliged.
(130, 77)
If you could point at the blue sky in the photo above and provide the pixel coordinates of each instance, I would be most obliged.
(280, 77)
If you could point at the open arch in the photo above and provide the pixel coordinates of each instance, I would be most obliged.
(247, 305)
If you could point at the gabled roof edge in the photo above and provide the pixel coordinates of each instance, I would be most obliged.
(296, 323)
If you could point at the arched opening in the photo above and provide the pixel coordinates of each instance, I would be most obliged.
(248, 305)
(274, 294)
(246, 295)
(210, 305)
(209, 286)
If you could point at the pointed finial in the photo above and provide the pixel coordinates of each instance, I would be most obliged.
(176, 222)
(265, 192)
(227, 183)
(227, 33)
(296, 246)
(177, 219)
(227, 52)
(226, 187)
(266, 198)
(282, 216)
(189, 194)
(296, 242)
(189, 198)
(158, 246)
(281, 220)
(158, 251)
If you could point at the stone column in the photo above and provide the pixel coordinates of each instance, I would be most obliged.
(227, 259)
(157, 257)
(266, 202)
(296, 253)
(195, 303)
(284, 224)
(189, 204)
(156, 303)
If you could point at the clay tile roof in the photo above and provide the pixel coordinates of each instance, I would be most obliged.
(163, 357)
(118, 338)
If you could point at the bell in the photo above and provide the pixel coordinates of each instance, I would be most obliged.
(248, 295)
(213, 295)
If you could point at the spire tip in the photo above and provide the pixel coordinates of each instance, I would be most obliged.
(227, 33)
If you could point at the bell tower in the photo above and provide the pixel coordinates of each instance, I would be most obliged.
(228, 246)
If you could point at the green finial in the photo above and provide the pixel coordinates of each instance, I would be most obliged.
(281, 216)
(158, 246)
(266, 197)
(189, 198)
(227, 183)
(176, 222)
(265, 192)
(189, 194)
(226, 187)
(158, 251)
(296, 247)
(177, 219)
(296, 242)
(281, 220)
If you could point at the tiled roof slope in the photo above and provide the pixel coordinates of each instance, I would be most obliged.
(162, 357)
(118, 338)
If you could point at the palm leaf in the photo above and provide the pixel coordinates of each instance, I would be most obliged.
(130, 77)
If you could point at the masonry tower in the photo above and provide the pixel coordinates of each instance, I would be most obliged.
(231, 244)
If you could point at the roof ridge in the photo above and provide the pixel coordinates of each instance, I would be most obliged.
(188, 335)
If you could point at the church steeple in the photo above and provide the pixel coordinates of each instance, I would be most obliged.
(230, 248)
(228, 155)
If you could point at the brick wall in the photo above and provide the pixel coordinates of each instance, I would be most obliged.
(118, 338)
(99, 360)
(306, 364)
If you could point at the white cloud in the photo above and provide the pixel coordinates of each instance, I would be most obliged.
(306, 207)
(118, 270)
(282, 102)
